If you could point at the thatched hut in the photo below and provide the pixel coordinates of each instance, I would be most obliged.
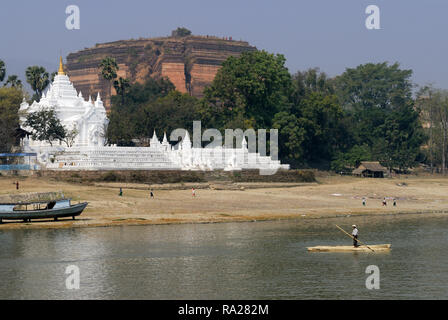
(372, 169)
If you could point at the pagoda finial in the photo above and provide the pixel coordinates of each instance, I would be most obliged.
(154, 136)
(61, 68)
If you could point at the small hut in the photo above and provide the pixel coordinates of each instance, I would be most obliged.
(371, 169)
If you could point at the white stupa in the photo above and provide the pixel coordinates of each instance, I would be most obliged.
(89, 118)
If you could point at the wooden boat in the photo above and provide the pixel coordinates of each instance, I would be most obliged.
(51, 209)
(375, 247)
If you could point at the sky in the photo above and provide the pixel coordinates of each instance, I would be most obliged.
(329, 34)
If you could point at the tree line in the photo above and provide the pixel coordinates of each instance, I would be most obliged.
(366, 113)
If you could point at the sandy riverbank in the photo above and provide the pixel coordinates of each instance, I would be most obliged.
(330, 196)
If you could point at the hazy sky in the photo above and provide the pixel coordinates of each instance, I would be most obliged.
(329, 34)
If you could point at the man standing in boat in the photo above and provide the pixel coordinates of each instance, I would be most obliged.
(355, 236)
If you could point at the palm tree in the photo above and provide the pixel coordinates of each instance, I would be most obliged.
(53, 74)
(2, 70)
(38, 78)
(109, 68)
(121, 86)
(14, 81)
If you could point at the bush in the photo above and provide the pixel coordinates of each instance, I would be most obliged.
(110, 177)
(138, 177)
(180, 32)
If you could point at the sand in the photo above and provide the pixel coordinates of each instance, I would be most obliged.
(330, 196)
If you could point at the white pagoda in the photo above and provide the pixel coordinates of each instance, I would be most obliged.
(87, 117)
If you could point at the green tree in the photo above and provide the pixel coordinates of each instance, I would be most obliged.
(126, 118)
(399, 139)
(109, 68)
(70, 136)
(369, 92)
(53, 74)
(310, 128)
(121, 128)
(176, 110)
(2, 70)
(13, 81)
(45, 126)
(351, 159)
(320, 115)
(311, 80)
(291, 137)
(121, 87)
(434, 113)
(10, 99)
(38, 78)
(180, 32)
(377, 102)
(253, 87)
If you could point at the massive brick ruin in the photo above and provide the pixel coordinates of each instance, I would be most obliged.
(190, 62)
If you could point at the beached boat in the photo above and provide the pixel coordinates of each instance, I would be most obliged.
(50, 209)
(375, 247)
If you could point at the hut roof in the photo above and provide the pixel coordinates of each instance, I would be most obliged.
(369, 165)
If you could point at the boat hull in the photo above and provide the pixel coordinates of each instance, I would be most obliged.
(376, 248)
(72, 211)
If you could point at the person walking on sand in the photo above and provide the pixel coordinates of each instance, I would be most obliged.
(395, 202)
(193, 192)
(384, 202)
(151, 194)
(121, 192)
(355, 236)
(364, 201)
(17, 185)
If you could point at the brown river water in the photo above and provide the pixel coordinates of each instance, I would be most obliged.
(250, 260)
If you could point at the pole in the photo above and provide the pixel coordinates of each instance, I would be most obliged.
(353, 237)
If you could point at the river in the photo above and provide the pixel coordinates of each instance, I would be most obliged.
(249, 260)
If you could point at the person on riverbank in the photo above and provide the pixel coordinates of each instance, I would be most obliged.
(364, 201)
(151, 194)
(193, 192)
(121, 192)
(17, 185)
(355, 236)
(384, 202)
(395, 202)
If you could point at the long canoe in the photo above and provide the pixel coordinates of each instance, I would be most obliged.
(375, 247)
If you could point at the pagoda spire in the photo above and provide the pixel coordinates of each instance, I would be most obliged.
(244, 143)
(165, 140)
(154, 137)
(186, 142)
(61, 68)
